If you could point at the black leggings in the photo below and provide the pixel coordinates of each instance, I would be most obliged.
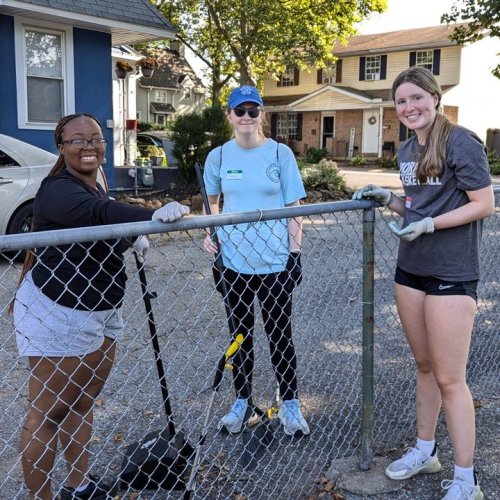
(276, 306)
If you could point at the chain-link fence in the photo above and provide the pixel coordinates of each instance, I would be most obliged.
(344, 289)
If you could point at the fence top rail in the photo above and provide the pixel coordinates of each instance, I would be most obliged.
(131, 229)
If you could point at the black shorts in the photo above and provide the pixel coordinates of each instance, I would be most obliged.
(436, 286)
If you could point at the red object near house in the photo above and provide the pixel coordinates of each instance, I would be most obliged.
(131, 124)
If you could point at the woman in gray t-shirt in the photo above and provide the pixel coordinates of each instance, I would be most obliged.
(447, 187)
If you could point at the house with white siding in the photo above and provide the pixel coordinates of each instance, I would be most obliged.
(348, 109)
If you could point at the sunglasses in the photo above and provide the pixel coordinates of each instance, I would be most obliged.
(252, 112)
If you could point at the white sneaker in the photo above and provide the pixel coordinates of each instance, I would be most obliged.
(458, 489)
(233, 421)
(291, 417)
(413, 462)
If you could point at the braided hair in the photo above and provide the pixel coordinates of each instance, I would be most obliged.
(58, 138)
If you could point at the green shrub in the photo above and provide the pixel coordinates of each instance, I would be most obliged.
(323, 176)
(315, 155)
(387, 162)
(359, 161)
(494, 162)
(195, 134)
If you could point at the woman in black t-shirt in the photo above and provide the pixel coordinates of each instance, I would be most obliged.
(67, 310)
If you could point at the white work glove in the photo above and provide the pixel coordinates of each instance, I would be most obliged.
(141, 247)
(382, 195)
(413, 230)
(170, 212)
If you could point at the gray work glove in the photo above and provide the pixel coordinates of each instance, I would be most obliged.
(170, 212)
(377, 193)
(413, 230)
(141, 247)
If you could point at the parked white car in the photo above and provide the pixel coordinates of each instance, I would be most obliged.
(22, 168)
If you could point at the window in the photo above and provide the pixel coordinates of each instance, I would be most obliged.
(372, 68)
(287, 125)
(161, 96)
(330, 74)
(44, 75)
(424, 59)
(289, 78)
(187, 95)
(430, 59)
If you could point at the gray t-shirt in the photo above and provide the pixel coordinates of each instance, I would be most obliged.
(448, 254)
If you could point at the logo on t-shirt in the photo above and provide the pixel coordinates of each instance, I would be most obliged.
(273, 172)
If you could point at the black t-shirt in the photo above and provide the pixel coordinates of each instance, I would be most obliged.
(89, 275)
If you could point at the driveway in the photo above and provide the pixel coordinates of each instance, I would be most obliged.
(357, 177)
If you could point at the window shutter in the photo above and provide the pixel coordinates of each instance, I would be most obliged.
(362, 62)
(413, 58)
(299, 126)
(296, 72)
(319, 76)
(383, 67)
(436, 62)
(338, 75)
(274, 120)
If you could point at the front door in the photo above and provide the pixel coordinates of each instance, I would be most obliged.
(327, 132)
(371, 128)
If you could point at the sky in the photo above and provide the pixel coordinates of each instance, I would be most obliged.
(406, 14)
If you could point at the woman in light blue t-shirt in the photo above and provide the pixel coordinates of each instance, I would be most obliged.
(260, 259)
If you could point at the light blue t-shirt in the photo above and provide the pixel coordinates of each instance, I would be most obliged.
(265, 177)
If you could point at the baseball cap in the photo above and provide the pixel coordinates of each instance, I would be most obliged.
(246, 93)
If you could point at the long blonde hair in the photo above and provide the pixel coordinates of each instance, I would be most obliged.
(59, 165)
(433, 156)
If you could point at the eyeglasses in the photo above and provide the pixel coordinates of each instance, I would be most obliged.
(84, 143)
(252, 112)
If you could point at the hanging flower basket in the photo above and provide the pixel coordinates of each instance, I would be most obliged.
(122, 68)
(147, 65)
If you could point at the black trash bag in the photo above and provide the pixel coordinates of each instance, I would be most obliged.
(160, 460)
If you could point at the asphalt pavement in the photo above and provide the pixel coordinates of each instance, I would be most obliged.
(357, 177)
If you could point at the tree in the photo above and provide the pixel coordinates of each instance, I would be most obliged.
(483, 20)
(195, 134)
(246, 39)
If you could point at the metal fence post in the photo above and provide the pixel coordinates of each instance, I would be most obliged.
(368, 325)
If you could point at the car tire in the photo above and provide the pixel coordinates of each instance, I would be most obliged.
(20, 223)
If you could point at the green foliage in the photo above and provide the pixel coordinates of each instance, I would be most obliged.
(150, 151)
(483, 20)
(494, 161)
(314, 155)
(387, 162)
(247, 40)
(322, 176)
(359, 161)
(146, 127)
(195, 134)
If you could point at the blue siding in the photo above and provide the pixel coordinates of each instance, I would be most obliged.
(94, 83)
(93, 86)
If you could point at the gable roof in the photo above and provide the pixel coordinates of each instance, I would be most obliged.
(128, 21)
(172, 71)
(395, 41)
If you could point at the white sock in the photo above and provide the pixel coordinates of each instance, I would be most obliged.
(426, 447)
(466, 473)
